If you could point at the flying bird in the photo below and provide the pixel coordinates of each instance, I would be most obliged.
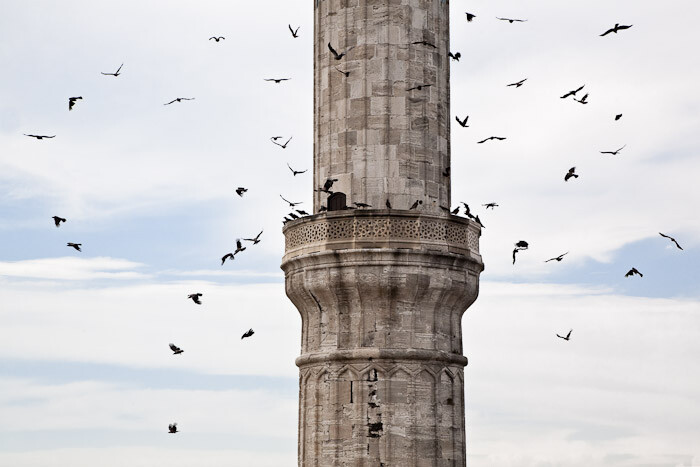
(462, 123)
(291, 205)
(467, 211)
(424, 42)
(75, 245)
(303, 213)
(283, 146)
(277, 80)
(116, 73)
(614, 153)
(71, 101)
(336, 55)
(632, 272)
(328, 185)
(570, 173)
(180, 99)
(512, 20)
(419, 87)
(195, 298)
(663, 235)
(296, 172)
(176, 350)
(255, 240)
(617, 27)
(618, 116)
(522, 244)
(567, 337)
(39, 136)
(239, 247)
(558, 258)
(217, 39)
(518, 84)
(470, 17)
(455, 56)
(582, 100)
(248, 333)
(499, 138)
(490, 205)
(227, 256)
(240, 190)
(346, 73)
(57, 220)
(172, 428)
(295, 32)
(415, 205)
(572, 93)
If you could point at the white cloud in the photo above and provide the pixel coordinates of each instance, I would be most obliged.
(68, 268)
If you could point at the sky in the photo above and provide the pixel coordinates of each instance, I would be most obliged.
(86, 376)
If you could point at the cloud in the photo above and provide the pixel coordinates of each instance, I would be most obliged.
(72, 269)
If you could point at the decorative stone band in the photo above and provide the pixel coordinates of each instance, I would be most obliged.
(381, 228)
(382, 355)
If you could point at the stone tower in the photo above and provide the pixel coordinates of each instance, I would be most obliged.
(381, 292)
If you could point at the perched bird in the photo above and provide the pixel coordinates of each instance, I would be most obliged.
(291, 205)
(293, 216)
(39, 136)
(240, 190)
(618, 116)
(172, 428)
(455, 211)
(415, 205)
(572, 93)
(522, 244)
(336, 55)
(567, 337)
(176, 350)
(424, 42)
(362, 205)
(388, 204)
(663, 235)
(558, 258)
(499, 138)
(478, 221)
(283, 146)
(286, 219)
(632, 272)
(195, 298)
(447, 172)
(512, 20)
(570, 174)
(617, 27)
(455, 56)
(248, 333)
(419, 87)
(71, 101)
(346, 73)
(490, 205)
(239, 247)
(302, 212)
(217, 39)
(227, 256)
(614, 153)
(295, 32)
(322, 209)
(75, 245)
(57, 220)
(518, 84)
(116, 73)
(462, 123)
(296, 172)
(180, 99)
(582, 100)
(470, 17)
(255, 240)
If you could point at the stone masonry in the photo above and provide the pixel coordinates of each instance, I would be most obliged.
(381, 292)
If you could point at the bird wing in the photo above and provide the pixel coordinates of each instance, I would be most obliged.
(514, 252)
(291, 30)
(607, 32)
(330, 47)
(482, 141)
(170, 102)
(173, 347)
(625, 27)
(290, 138)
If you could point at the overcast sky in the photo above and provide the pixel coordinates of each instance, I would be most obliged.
(86, 376)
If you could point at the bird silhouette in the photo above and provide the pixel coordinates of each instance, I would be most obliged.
(346, 73)
(447, 172)
(582, 100)
(567, 337)
(240, 190)
(614, 153)
(467, 211)
(522, 244)
(283, 146)
(387, 204)
(180, 99)
(672, 239)
(518, 84)
(217, 39)
(490, 205)
(295, 32)
(176, 350)
(419, 87)
(470, 17)
(455, 211)
(227, 256)
(499, 138)
(572, 93)
(293, 216)
(71, 101)
(75, 245)
(328, 185)
(302, 212)
(57, 220)
(617, 27)
(424, 42)
(512, 20)
(40, 136)
(558, 258)
(291, 204)
(415, 205)
(248, 333)
(336, 55)
(277, 80)
(296, 172)
(172, 428)
(570, 173)
(255, 240)
(632, 272)
(195, 298)
(515, 250)
(455, 56)
(618, 116)
(462, 123)
(239, 247)
(116, 73)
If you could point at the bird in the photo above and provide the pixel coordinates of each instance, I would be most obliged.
(617, 27)
(362, 205)
(239, 247)
(227, 256)
(277, 80)
(419, 87)
(570, 174)
(567, 337)
(328, 185)
(490, 205)
(116, 73)
(346, 73)
(172, 428)
(75, 245)
(303, 213)
(572, 93)
(582, 100)
(455, 211)
(286, 219)
(180, 99)
(255, 240)
(217, 39)
(522, 244)
(248, 333)
(240, 190)
(71, 101)
(614, 153)
(283, 146)
(672, 239)
(424, 42)
(470, 17)
(518, 84)
(415, 205)
(293, 216)
(176, 350)
(322, 209)
(455, 56)
(447, 172)
(195, 298)
(462, 123)
(291, 204)
(512, 20)
(558, 258)
(296, 172)
(632, 272)
(57, 220)
(336, 55)
(388, 204)
(295, 32)
(39, 136)
(467, 211)
(618, 116)
(499, 138)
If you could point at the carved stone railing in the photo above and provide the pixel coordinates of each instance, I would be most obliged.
(381, 228)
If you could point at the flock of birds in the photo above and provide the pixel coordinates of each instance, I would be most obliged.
(520, 246)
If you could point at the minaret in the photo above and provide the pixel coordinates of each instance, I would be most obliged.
(381, 292)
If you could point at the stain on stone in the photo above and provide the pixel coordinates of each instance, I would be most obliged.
(372, 375)
(351, 392)
(375, 429)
